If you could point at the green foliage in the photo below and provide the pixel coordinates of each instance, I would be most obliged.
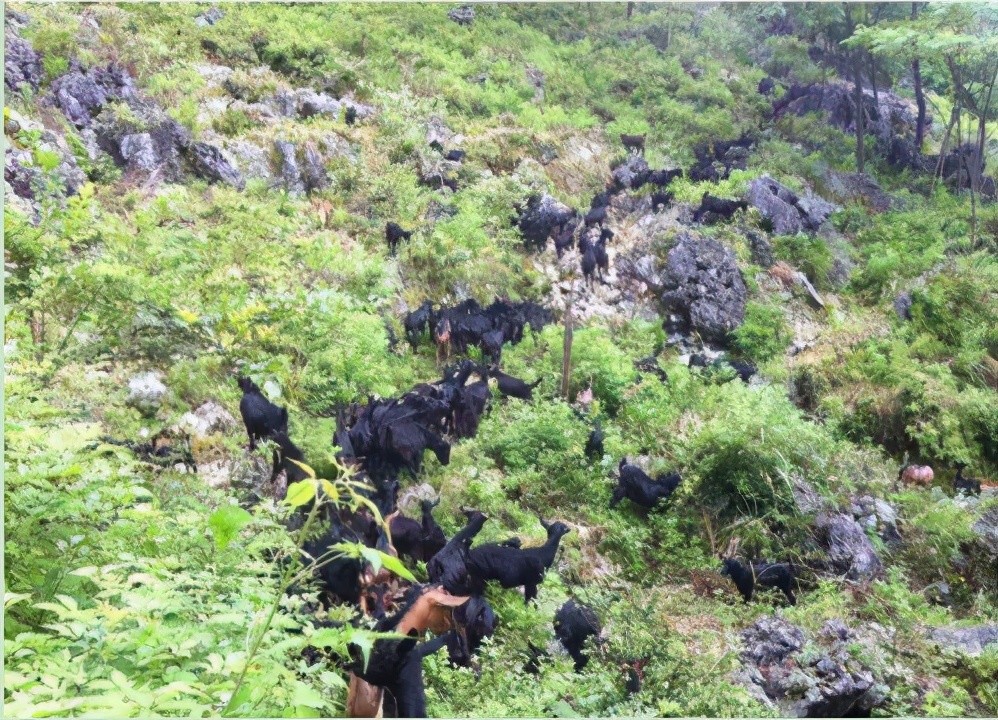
(808, 253)
(763, 334)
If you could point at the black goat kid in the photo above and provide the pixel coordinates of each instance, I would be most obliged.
(746, 579)
(574, 623)
(717, 207)
(394, 234)
(970, 486)
(449, 567)
(513, 386)
(635, 485)
(260, 416)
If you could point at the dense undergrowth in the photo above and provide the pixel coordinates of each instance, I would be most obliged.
(128, 594)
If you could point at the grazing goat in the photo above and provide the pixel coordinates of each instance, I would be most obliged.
(433, 535)
(662, 178)
(512, 566)
(606, 234)
(600, 199)
(633, 142)
(260, 416)
(970, 486)
(350, 116)
(602, 258)
(417, 321)
(718, 207)
(635, 485)
(596, 216)
(564, 237)
(776, 575)
(450, 566)
(650, 365)
(916, 475)
(394, 234)
(574, 623)
(407, 536)
(660, 197)
(513, 386)
(455, 155)
(594, 445)
(766, 86)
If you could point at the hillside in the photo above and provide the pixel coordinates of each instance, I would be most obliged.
(196, 194)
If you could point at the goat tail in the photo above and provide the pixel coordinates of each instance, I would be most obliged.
(535, 384)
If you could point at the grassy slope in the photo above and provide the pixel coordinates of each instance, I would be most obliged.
(260, 281)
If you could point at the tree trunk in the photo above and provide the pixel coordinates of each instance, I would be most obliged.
(566, 358)
(630, 10)
(940, 166)
(857, 67)
(916, 72)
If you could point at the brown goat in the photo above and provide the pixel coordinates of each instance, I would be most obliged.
(916, 475)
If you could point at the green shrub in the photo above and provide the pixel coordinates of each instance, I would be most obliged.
(764, 333)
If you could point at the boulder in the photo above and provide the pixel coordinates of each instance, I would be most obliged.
(146, 392)
(802, 678)
(876, 514)
(849, 549)
(211, 164)
(967, 640)
(313, 170)
(250, 158)
(858, 187)
(82, 94)
(762, 250)
(463, 15)
(437, 133)
(541, 214)
(21, 64)
(308, 103)
(986, 528)
(289, 174)
(631, 174)
(210, 17)
(211, 417)
(787, 212)
(20, 173)
(139, 152)
(702, 283)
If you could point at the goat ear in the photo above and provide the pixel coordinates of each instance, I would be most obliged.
(545, 525)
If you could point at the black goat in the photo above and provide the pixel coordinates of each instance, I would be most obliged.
(650, 365)
(350, 116)
(450, 566)
(606, 234)
(574, 623)
(475, 621)
(718, 207)
(394, 234)
(433, 535)
(662, 178)
(417, 321)
(766, 86)
(596, 216)
(397, 667)
(564, 237)
(600, 199)
(455, 155)
(589, 265)
(970, 486)
(635, 485)
(633, 142)
(594, 445)
(511, 566)
(513, 386)
(777, 575)
(660, 197)
(602, 258)
(407, 536)
(260, 416)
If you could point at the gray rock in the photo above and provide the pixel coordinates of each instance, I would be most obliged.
(313, 171)
(82, 94)
(210, 164)
(787, 212)
(703, 284)
(806, 496)
(290, 173)
(21, 64)
(463, 15)
(849, 549)
(361, 110)
(251, 159)
(762, 250)
(309, 103)
(210, 418)
(139, 152)
(878, 515)
(986, 528)
(145, 392)
(437, 132)
(831, 684)
(968, 640)
(631, 174)
(19, 172)
(801, 280)
(210, 17)
(857, 187)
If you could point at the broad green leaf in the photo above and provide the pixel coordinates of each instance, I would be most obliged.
(69, 602)
(226, 522)
(300, 493)
(373, 557)
(304, 695)
(84, 571)
(396, 566)
(11, 598)
(308, 470)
